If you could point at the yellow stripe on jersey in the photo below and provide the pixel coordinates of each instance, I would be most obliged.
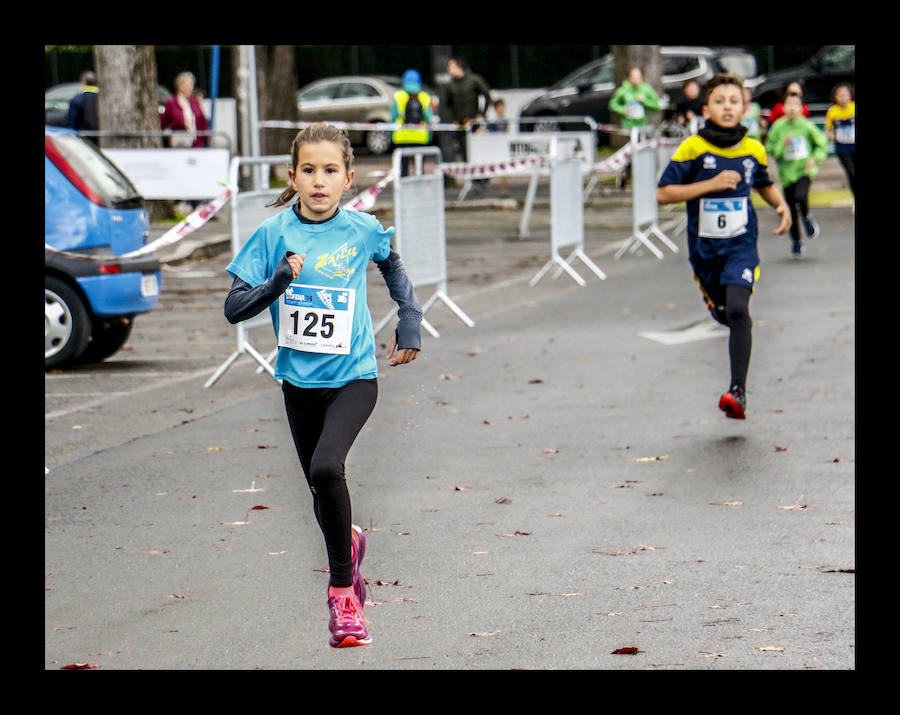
(695, 146)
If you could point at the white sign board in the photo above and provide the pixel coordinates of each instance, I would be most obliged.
(180, 174)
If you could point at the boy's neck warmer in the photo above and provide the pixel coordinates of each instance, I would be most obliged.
(722, 137)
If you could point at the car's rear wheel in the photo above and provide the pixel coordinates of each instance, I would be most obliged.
(106, 338)
(67, 325)
(378, 142)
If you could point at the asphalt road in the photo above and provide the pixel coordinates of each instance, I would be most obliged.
(540, 490)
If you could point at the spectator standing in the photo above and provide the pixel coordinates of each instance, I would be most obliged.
(83, 109)
(411, 106)
(184, 113)
(798, 146)
(468, 97)
(840, 128)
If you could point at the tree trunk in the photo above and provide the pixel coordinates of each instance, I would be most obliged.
(128, 93)
(276, 82)
(128, 102)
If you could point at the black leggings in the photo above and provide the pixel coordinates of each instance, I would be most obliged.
(324, 424)
(736, 315)
(797, 197)
(849, 164)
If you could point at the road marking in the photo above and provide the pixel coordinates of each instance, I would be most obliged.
(703, 330)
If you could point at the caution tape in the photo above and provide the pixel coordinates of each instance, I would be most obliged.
(362, 126)
(498, 168)
(366, 199)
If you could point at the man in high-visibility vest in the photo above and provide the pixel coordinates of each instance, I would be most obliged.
(411, 106)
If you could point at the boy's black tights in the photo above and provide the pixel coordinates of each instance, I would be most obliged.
(324, 424)
(737, 318)
(797, 197)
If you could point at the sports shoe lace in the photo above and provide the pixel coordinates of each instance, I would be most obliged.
(348, 609)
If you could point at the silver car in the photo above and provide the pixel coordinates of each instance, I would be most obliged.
(355, 99)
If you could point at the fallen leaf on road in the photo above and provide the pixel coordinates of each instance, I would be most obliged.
(251, 490)
(550, 450)
(216, 449)
(652, 459)
(460, 488)
(485, 635)
(780, 449)
(796, 506)
(79, 666)
(777, 648)
(629, 650)
(503, 500)
(451, 377)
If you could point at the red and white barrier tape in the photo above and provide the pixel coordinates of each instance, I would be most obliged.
(366, 199)
(362, 126)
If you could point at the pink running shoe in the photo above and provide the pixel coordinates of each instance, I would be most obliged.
(347, 623)
(357, 551)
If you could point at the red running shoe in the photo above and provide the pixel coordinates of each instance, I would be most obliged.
(734, 403)
(347, 623)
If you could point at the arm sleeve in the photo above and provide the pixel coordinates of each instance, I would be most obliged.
(409, 312)
(820, 144)
(616, 102)
(651, 99)
(245, 301)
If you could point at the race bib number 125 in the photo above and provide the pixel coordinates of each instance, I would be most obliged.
(316, 319)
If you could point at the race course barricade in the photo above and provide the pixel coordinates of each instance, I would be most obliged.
(248, 211)
(566, 221)
(645, 209)
(420, 238)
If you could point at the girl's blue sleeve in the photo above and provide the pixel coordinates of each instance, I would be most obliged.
(409, 312)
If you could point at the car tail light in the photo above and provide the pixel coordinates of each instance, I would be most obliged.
(61, 163)
(110, 268)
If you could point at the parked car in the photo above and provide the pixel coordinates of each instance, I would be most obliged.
(828, 67)
(587, 90)
(355, 99)
(58, 97)
(94, 214)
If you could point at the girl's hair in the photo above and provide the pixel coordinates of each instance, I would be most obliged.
(719, 80)
(786, 88)
(313, 134)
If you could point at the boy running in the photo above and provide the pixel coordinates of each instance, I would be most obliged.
(714, 172)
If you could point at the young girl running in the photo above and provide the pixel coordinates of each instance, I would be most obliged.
(307, 264)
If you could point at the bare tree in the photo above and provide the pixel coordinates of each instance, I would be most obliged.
(276, 83)
(128, 93)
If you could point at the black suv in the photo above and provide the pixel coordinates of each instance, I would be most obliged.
(587, 90)
(830, 66)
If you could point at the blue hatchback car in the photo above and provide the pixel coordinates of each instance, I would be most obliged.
(93, 215)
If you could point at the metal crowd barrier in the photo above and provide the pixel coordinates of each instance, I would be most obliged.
(566, 219)
(248, 211)
(645, 209)
(421, 237)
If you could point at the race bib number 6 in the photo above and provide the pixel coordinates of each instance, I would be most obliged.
(723, 218)
(316, 319)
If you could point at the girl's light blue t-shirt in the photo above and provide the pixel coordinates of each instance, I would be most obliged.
(337, 254)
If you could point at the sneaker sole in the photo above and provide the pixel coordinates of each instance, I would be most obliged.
(731, 407)
(350, 642)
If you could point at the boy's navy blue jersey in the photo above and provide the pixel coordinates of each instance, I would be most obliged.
(722, 227)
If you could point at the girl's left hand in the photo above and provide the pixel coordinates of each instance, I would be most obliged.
(402, 356)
